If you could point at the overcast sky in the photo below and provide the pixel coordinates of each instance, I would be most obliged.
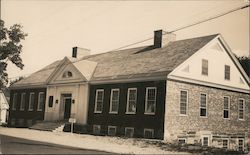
(55, 26)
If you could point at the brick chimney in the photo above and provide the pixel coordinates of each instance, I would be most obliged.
(161, 39)
(78, 52)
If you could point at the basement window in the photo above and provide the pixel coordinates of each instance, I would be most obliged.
(241, 145)
(149, 133)
(129, 132)
(225, 143)
(96, 129)
(205, 141)
(181, 141)
(111, 130)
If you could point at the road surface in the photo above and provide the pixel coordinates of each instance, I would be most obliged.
(12, 145)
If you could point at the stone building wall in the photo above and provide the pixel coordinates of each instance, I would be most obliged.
(192, 127)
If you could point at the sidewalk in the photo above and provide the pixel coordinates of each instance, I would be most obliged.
(101, 143)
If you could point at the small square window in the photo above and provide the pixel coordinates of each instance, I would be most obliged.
(111, 130)
(129, 132)
(181, 141)
(96, 129)
(148, 133)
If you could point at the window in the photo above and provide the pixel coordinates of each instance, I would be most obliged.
(225, 143)
(99, 100)
(204, 67)
(203, 105)
(181, 141)
(183, 102)
(129, 132)
(41, 100)
(205, 141)
(50, 101)
(241, 108)
(96, 129)
(114, 101)
(22, 105)
(31, 101)
(13, 122)
(67, 74)
(14, 102)
(226, 107)
(131, 101)
(111, 130)
(148, 133)
(227, 72)
(150, 104)
(241, 145)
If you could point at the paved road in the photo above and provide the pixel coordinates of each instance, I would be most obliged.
(12, 145)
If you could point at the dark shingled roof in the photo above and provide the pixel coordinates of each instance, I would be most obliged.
(131, 63)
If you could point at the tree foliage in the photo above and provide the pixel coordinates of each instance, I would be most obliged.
(10, 49)
(245, 63)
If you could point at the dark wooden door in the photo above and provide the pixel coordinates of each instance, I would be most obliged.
(67, 109)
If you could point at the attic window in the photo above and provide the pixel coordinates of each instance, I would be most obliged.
(67, 74)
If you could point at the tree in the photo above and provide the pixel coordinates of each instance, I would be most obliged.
(10, 49)
(245, 63)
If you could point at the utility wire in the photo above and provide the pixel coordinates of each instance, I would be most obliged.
(178, 29)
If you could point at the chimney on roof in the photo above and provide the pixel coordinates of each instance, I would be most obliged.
(161, 39)
(78, 52)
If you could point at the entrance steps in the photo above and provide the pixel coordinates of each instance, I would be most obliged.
(49, 126)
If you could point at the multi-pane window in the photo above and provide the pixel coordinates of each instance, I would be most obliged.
(129, 132)
(150, 104)
(96, 129)
(99, 100)
(131, 101)
(225, 143)
(14, 102)
(111, 130)
(241, 145)
(226, 107)
(181, 141)
(41, 101)
(205, 141)
(22, 105)
(114, 101)
(51, 100)
(204, 69)
(183, 102)
(31, 101)
(203, 105)
(241, 108)
(227, 72)
(148, 133)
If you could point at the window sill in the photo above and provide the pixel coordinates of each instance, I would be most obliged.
(39, 109)
(185, 115)
(241, 119)
(113, 112)
(149, 113)
(31, 109)
(97, 112)
(130, 113)
(21, 109)
(203, 117)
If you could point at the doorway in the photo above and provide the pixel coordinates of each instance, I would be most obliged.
(67, 105)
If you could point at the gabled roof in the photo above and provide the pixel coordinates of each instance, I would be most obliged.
(131, 63)
(128, 63)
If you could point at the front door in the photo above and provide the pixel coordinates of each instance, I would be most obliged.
(67, 108)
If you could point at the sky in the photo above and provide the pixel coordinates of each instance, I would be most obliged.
(55, 26)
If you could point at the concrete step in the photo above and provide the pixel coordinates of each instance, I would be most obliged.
(48, 126)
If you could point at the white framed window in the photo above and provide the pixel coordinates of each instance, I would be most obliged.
(227, 72)
(241, 109)
(148, 133)
(181, 141)
(13, 122)
(226, 107)
(14, 102)
(111, 130)
(114, 101)
(41, 101)
(150, 101)
(241, 144)
(183, 102)
(131, 101)
(225, 143)
(31, 101)
(205, 141)
(96, 129)
(99, 100)
(203, 105)
(129, 132)
(204, 69)
(22, 105)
